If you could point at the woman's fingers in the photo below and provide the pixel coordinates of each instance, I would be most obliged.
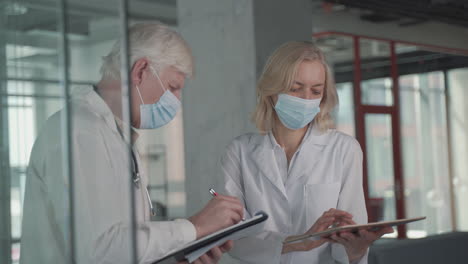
(337, 213)
(338, 216)
(374, 235)
(346, 221)
(337, 238)
(325, 220)
(349, 237)
(332, 217)
(311, 244)
(383, 231)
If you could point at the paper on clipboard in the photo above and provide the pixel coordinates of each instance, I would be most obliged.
(196, 249)
(238, 235)
(354, 228)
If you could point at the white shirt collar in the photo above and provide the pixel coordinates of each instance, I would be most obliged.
(95, 102)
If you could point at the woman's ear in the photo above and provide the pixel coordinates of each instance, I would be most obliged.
(138, 69)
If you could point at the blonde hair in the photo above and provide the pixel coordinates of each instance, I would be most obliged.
(162, 45)
(278, 77)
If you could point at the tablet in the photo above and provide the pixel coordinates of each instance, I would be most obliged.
(355, 228)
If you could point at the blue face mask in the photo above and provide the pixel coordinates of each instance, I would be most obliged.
(160, 113)
(295, 112)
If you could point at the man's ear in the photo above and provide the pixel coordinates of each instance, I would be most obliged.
(138, 69)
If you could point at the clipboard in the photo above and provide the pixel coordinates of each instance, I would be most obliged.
(203, 245)
(355, 228)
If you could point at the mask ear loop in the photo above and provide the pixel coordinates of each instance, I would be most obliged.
(157, 76)
(138, 90)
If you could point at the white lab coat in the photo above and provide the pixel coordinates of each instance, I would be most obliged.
(102, 195)
(326, 173)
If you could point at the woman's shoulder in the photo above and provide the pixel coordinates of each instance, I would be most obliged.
(344, 140)
(245, 141)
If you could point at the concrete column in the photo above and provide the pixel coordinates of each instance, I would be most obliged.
(231, 40)
(279, 21)
(218, 101)
(5, 219)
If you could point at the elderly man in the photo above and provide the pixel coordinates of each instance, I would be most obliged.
(160, 62)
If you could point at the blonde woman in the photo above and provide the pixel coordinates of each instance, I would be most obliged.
(298, 169)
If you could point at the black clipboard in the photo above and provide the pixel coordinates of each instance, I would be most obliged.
(180, 255)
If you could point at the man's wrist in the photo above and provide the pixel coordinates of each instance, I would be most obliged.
(197, 228)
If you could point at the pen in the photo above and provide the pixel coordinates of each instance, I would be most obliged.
(214, 194)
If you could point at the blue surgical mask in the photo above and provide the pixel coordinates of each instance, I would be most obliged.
(160, 113)
(295, 112)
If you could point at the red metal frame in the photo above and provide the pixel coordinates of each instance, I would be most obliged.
(358, 114)
(378, 109)
(457, 51)
(394, 111)
(396, 134)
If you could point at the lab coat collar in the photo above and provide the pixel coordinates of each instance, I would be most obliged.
(316, 137)
(314, 142)
(313, 136)
(122, 126)
(311, 132)
(264, 154)
(96, 104)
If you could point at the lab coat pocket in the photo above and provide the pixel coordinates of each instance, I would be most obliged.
(320, 198)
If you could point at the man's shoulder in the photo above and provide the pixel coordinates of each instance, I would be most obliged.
(79, 120)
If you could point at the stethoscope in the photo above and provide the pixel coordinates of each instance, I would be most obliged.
(136, 171)
(136, 181)
(136, 176)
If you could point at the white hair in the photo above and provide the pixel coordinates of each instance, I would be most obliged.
(159, 43)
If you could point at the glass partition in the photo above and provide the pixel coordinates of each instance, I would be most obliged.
(52, 50)
(404, 102)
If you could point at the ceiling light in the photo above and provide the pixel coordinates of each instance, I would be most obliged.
(15, 9)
